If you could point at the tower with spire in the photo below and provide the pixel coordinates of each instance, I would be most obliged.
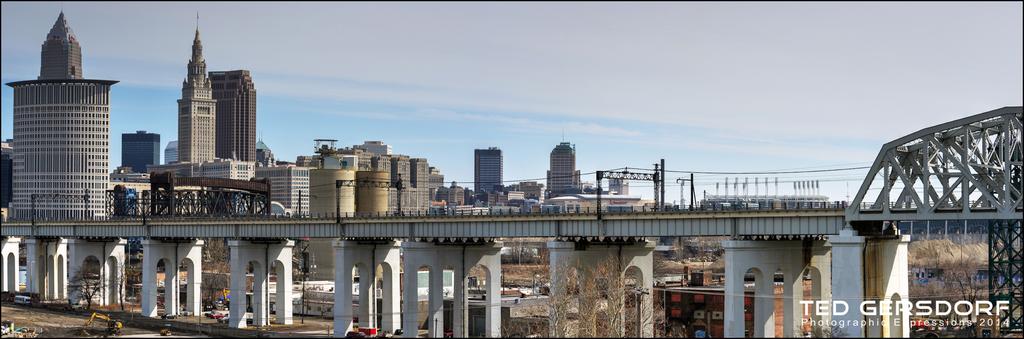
(66, 156)
(61, 53)
(197, 111)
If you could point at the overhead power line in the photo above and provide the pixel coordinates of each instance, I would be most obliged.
(774, 172)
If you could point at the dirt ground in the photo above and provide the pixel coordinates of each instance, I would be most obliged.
(56, 324)
(523, 275)
(51, 324)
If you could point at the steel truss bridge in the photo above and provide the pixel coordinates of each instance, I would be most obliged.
(191, 196)
(966, 169)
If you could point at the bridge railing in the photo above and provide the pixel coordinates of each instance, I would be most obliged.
(491, 211)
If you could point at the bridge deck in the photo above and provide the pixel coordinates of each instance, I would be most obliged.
(643, 224)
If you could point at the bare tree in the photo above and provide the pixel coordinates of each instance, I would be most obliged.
(215, 256)
(213, 286)
(87, 283)
(559, 305)
(587, 303)
(959, 276)
(590, 302)
(119, 281)
(609, 274)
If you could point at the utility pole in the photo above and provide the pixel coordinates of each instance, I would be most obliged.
(305, 276)
(657, 188)
(682, 185)
(682, 191)
(661, 177)
(337, 201)
(600, 175)
(639, 293)
(399, 187)
(693, 191)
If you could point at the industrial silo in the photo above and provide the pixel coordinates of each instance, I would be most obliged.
(323, 188)
(323, 202)
(372, 192)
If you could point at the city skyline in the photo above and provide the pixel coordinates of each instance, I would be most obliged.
(801, 125)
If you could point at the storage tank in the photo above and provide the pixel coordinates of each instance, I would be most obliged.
(323, 195)
(372, 192)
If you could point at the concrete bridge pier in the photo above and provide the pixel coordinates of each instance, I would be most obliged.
(47, 267)
(261, 258)
(366, 257)
(887, 281)
(104, 257)
(172, 254)
(872, 269)
(633, 261)
(460, 257)
(9, 254)
(416, 255)
(764, 259)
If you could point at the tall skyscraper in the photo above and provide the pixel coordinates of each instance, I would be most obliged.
(6, 173)
(236, 114)
(139, 150)
(65, 157)
(563, 177)
(487, 169)
(171, 152)
(197, 111)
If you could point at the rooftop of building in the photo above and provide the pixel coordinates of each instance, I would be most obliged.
(261, 145)
(61, 81)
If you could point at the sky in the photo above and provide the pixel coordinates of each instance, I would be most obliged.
(706, 86)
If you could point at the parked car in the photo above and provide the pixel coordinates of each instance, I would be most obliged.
(23, 300)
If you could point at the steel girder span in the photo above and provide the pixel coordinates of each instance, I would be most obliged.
(963, 169)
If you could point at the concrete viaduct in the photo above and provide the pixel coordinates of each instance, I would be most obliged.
(958, 170)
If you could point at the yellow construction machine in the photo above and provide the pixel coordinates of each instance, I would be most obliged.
(113, 326)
